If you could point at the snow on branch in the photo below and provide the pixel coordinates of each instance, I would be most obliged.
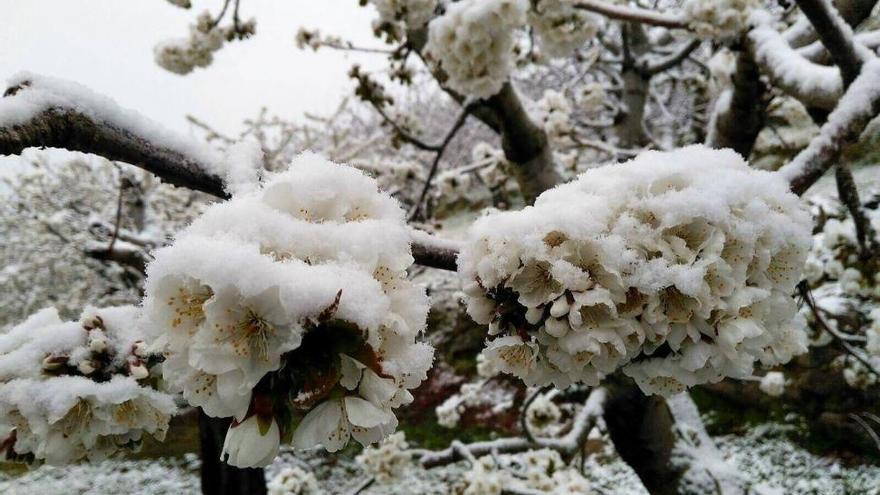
(38, 111)
(633, 14)
(837, 36)
(568, 445)
(845, 124)
(814, 85)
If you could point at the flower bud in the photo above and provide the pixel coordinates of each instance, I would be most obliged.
(86, 367)
(54, 363)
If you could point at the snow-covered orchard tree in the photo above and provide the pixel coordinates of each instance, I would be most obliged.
(640, 251)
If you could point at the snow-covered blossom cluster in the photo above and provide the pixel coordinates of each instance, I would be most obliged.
(414, 13)
(291, 301)
(294, 480)
(541, 471)
(676, 266)
(560, 27)
(724, 20)
(554, 112)
(472, 43)
(183, 55)
(387, 460)
(845, 285)
(76, 390)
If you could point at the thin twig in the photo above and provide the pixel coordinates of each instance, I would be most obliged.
(459, 122)
(115, 233)
(807, 296)
(404, 135)
(870, 431)
(362, 486)
(672, 60)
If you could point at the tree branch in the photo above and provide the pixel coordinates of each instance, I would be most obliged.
(73, 129)
(672, 60)
(836, 35)
(632, 14)
(858, 106)
(568, 445)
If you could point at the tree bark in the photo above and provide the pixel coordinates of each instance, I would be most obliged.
(641, 429)
(629, 126)
(219, 478)
(738, 125)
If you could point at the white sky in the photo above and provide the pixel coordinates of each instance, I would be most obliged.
(107, 45)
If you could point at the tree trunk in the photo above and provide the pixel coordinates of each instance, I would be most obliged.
(629, 126)
(738, 125)
(666, 444)
(641, 429)
(219, 478)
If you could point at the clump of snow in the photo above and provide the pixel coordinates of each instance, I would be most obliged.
(472, 43)
(773, 384)
(295, 289)
(677, 267)
(560, 27)
(724, 20)
(75, 390)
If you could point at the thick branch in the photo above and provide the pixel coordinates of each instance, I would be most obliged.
(71, 130)
(740, 112)
(845, 124)
(74, 130)
(814, 85)
(525, 143)
(632, 14)
(836, 35)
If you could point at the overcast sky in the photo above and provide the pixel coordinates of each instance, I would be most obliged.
(108, 46)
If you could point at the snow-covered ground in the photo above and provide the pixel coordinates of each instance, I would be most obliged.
(763, 455)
